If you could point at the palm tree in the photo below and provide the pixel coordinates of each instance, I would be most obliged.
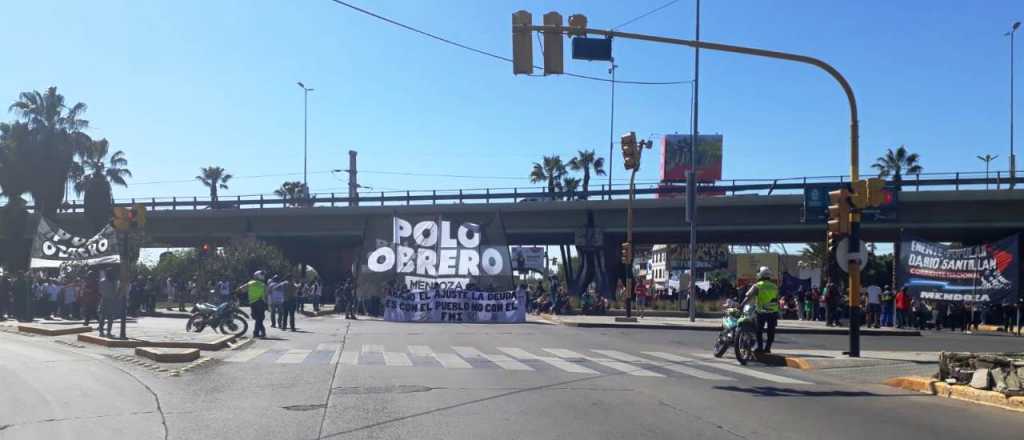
(93, 175)
(214, 178)
(292, 192)
(897, 163)
(585, 161)
(55, 137)
(569, 186)
(14, 183)
(551, 170)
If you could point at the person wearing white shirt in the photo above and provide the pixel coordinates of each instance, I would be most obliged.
(276, 286)
(224, 291)
(874, 306)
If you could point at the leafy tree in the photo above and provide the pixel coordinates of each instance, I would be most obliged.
(897, 163)
(294, 193)
(585, 161)
(55, 134)
(93, 175)
(214, 178)
(14, 184)
(235, 262)
(550, 170)
(815, 254)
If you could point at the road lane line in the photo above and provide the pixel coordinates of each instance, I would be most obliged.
(294, 356)
(421, 350)
(618, 355)
(349, 357)
(328, 346)
(451, 360)
(247, 355)
(396, 359)
(682, 368)
(632, 370)
(373, 348)
(559, 363)
(746, 371)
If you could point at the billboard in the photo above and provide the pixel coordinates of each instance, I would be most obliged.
(528, 257)
(747, 266)
(986, 273)
(675, 157)
(707, 256)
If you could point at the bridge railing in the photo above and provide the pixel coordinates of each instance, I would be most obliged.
(956, 181)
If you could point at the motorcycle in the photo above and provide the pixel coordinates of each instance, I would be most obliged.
(226, 318)
(737, 331)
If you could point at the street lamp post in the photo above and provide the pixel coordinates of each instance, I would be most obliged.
(987, 159)
(305, 136)
(611, 129)
(691, 177)
(1013, 157)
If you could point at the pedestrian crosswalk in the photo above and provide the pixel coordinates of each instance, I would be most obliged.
(654, 364)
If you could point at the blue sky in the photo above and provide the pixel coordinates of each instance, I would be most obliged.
(184, 84)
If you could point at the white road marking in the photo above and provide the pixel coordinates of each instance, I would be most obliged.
(746, 371)
(293, 356)
(349, 357)
(559, 363)
(451, 360)
(421, 350)
(615, 365)
(372, 348)
(682, 368)
(396, 359)
(328, 346)
(247, 355)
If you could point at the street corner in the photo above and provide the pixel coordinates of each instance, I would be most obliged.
(776, 360)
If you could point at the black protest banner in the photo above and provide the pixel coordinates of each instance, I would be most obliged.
(53, 246)
(424, 252)
(988, 272)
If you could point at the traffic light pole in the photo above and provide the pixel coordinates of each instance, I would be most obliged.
(629, 240)
(520, 27)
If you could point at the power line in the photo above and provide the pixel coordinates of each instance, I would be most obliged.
(645, 14)
(491, 54)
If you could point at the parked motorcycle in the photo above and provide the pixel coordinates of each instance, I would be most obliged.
(226, 318)
(737, 331)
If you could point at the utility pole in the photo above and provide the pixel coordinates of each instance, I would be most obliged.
(691, 177)
(611, 129)
(353, 182)
(1013, 157)
(305, 137)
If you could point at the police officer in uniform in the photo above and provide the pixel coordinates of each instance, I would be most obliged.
(766, 293)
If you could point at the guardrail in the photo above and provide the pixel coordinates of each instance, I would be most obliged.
(735, 187)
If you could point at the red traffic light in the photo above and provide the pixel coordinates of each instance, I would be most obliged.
(205, 247)
(888, 197)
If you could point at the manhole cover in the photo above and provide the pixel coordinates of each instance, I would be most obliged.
(385, 389)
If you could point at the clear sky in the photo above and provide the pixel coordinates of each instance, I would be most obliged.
(183, 84)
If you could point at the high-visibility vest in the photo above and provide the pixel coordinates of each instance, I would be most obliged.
(767, 296)
(257, 291)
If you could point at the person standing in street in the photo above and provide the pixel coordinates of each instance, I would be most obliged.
(256, 290)
(888, 306)
(89, 298)
(315, 294)
(71, 299)
(902, 305)
(831, 297)
(223, 291)
(110, 303)
(291, 298)
(276, 287)
(801, 301)
(874, 306)
(766, 294)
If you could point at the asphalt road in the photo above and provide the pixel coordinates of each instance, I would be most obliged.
(343, 379)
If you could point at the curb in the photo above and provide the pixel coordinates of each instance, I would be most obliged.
(171, 372)
(312, 314)
(29, 328)
(172, 355)
(934, 387)
(778, 330)
(784, 361)
(134, 343)
(245, 342)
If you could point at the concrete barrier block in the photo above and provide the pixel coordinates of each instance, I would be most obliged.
(168, 354)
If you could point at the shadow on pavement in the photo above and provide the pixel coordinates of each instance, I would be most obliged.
(790, 392)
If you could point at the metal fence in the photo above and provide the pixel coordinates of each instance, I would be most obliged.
(996, 180)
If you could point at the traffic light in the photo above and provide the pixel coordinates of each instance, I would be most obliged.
(577, 25)
(122, 219)
(627, 253)
(553, 62)
(204, 250)
(839, 212)
(630, 151)
(522, 44)
(138, 216)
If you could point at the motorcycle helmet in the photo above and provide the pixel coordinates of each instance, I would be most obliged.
(764, 272)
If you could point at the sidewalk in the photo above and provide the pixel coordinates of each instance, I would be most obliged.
(141, 332)
(713, 324)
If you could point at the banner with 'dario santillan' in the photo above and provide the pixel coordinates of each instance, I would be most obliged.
(988, 272)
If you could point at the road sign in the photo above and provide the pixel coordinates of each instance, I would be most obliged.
(843, 256)
(816, 202)
(592, 49)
